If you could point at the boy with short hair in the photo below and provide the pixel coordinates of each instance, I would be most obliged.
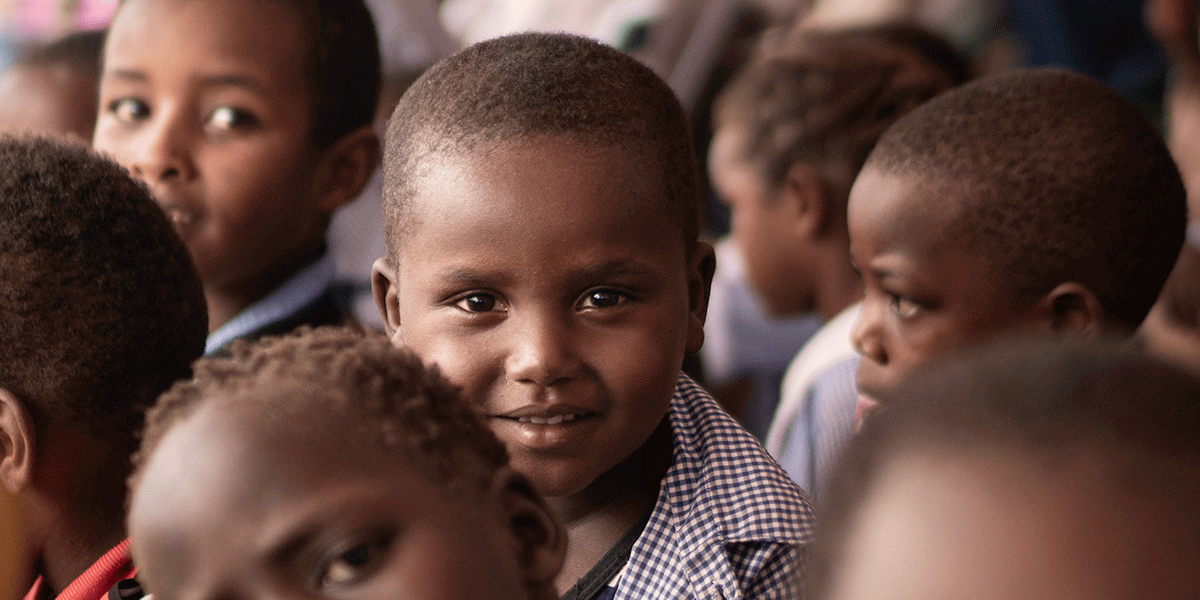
(52, 90)
(540, 205)
(251, 122)
(329, 464)
(102, 310)
(1029, 471)
(1037, 201)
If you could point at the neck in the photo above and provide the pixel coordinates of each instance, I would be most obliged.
(840, 286)
(225, 301)
(600, 515)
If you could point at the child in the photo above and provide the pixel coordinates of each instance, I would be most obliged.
(53, 89)
(251, 123)
(331, 465)
(540, 206)
(102, 310)
(1030, 202)
(792, 132)
(1028, 472)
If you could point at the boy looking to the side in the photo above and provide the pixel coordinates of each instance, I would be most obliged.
(101, 310)
(328, 464)
(540, 206)
(251, 121)
(1036, 201)
(1030, 471)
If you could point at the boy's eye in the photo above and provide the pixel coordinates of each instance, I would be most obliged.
(128, 110)
(903, 307)
(477, 303)
(602, 299)
(228, 117)
(351, 565)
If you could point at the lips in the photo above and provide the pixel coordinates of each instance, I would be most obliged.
(545, 427)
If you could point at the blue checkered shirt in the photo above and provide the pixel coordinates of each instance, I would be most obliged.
(728, 522)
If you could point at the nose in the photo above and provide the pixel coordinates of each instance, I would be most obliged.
(867, 335)
(162, 153)
(543, 351)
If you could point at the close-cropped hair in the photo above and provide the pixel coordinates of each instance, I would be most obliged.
(519, 87)
(342, 67)
(1054, 178)
(825, 97)
(338, 382)
(101, 306)
(1041, 402)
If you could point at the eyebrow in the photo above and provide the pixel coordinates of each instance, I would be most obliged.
(470, 277)
(219, 80)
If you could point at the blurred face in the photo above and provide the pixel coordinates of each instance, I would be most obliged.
(1003, 527)
(48, 100)
(549, 279)
(924, 295)
(207, 102)
(234, 505)
(761, 227)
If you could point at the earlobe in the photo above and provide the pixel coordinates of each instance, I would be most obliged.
(16, 443)
(1074, 310)
(347, 167)
(700, 276)
(387, 297)
(540, 540)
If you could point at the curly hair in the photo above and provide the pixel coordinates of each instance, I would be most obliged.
(337, 381)
(521, 86)
(1053, 178)
(343, 66)
(1042, 401)
(101, 306)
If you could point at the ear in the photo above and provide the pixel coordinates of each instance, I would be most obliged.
(806, 201)
(700, 276)
(539, 539)
(346, 167)
(16, 443)
(1072, 309)
(387, 297)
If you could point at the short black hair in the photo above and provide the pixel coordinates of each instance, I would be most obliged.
(82, 51)
(826, 96)
(101, 306)
(522, 86)
(1041, 400)
(1055, 178)
(343, 66)
(349, 385)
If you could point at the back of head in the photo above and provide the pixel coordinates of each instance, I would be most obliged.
(1046, 406)
(825, 97)
(1054, 178)
(100, 304)
(539, 84)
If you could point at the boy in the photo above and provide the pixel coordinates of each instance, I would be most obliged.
(53, 89)
(540, 209)
(1034, 471)
(792, 132)
(1030, 202)
(251, 123)
(331, 465)
(101, 310)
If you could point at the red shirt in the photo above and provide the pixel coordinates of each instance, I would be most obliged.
(95, 582)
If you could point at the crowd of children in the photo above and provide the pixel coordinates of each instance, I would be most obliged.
(189, 410)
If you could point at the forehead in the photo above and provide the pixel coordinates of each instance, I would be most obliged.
(266, 39)
(900, 210)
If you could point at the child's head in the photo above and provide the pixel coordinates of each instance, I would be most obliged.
(53, 88)
(793, 130)
(539, 196)
(101, 311)
(1032, 201)
(328, 464)
(1021, 472)
(250, 121)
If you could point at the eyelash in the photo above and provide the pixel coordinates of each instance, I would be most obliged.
(588, 301)
(903, 307)
(353, 568)
(115, 107)
(138, 109)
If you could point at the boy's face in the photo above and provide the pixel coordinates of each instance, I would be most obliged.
(1003, 527)
(924, 294)
(234, 504)
(549, 279)
(208, 103)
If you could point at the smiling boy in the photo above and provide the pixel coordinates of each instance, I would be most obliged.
(251, 122)
(540, 204)
(1032, 202)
